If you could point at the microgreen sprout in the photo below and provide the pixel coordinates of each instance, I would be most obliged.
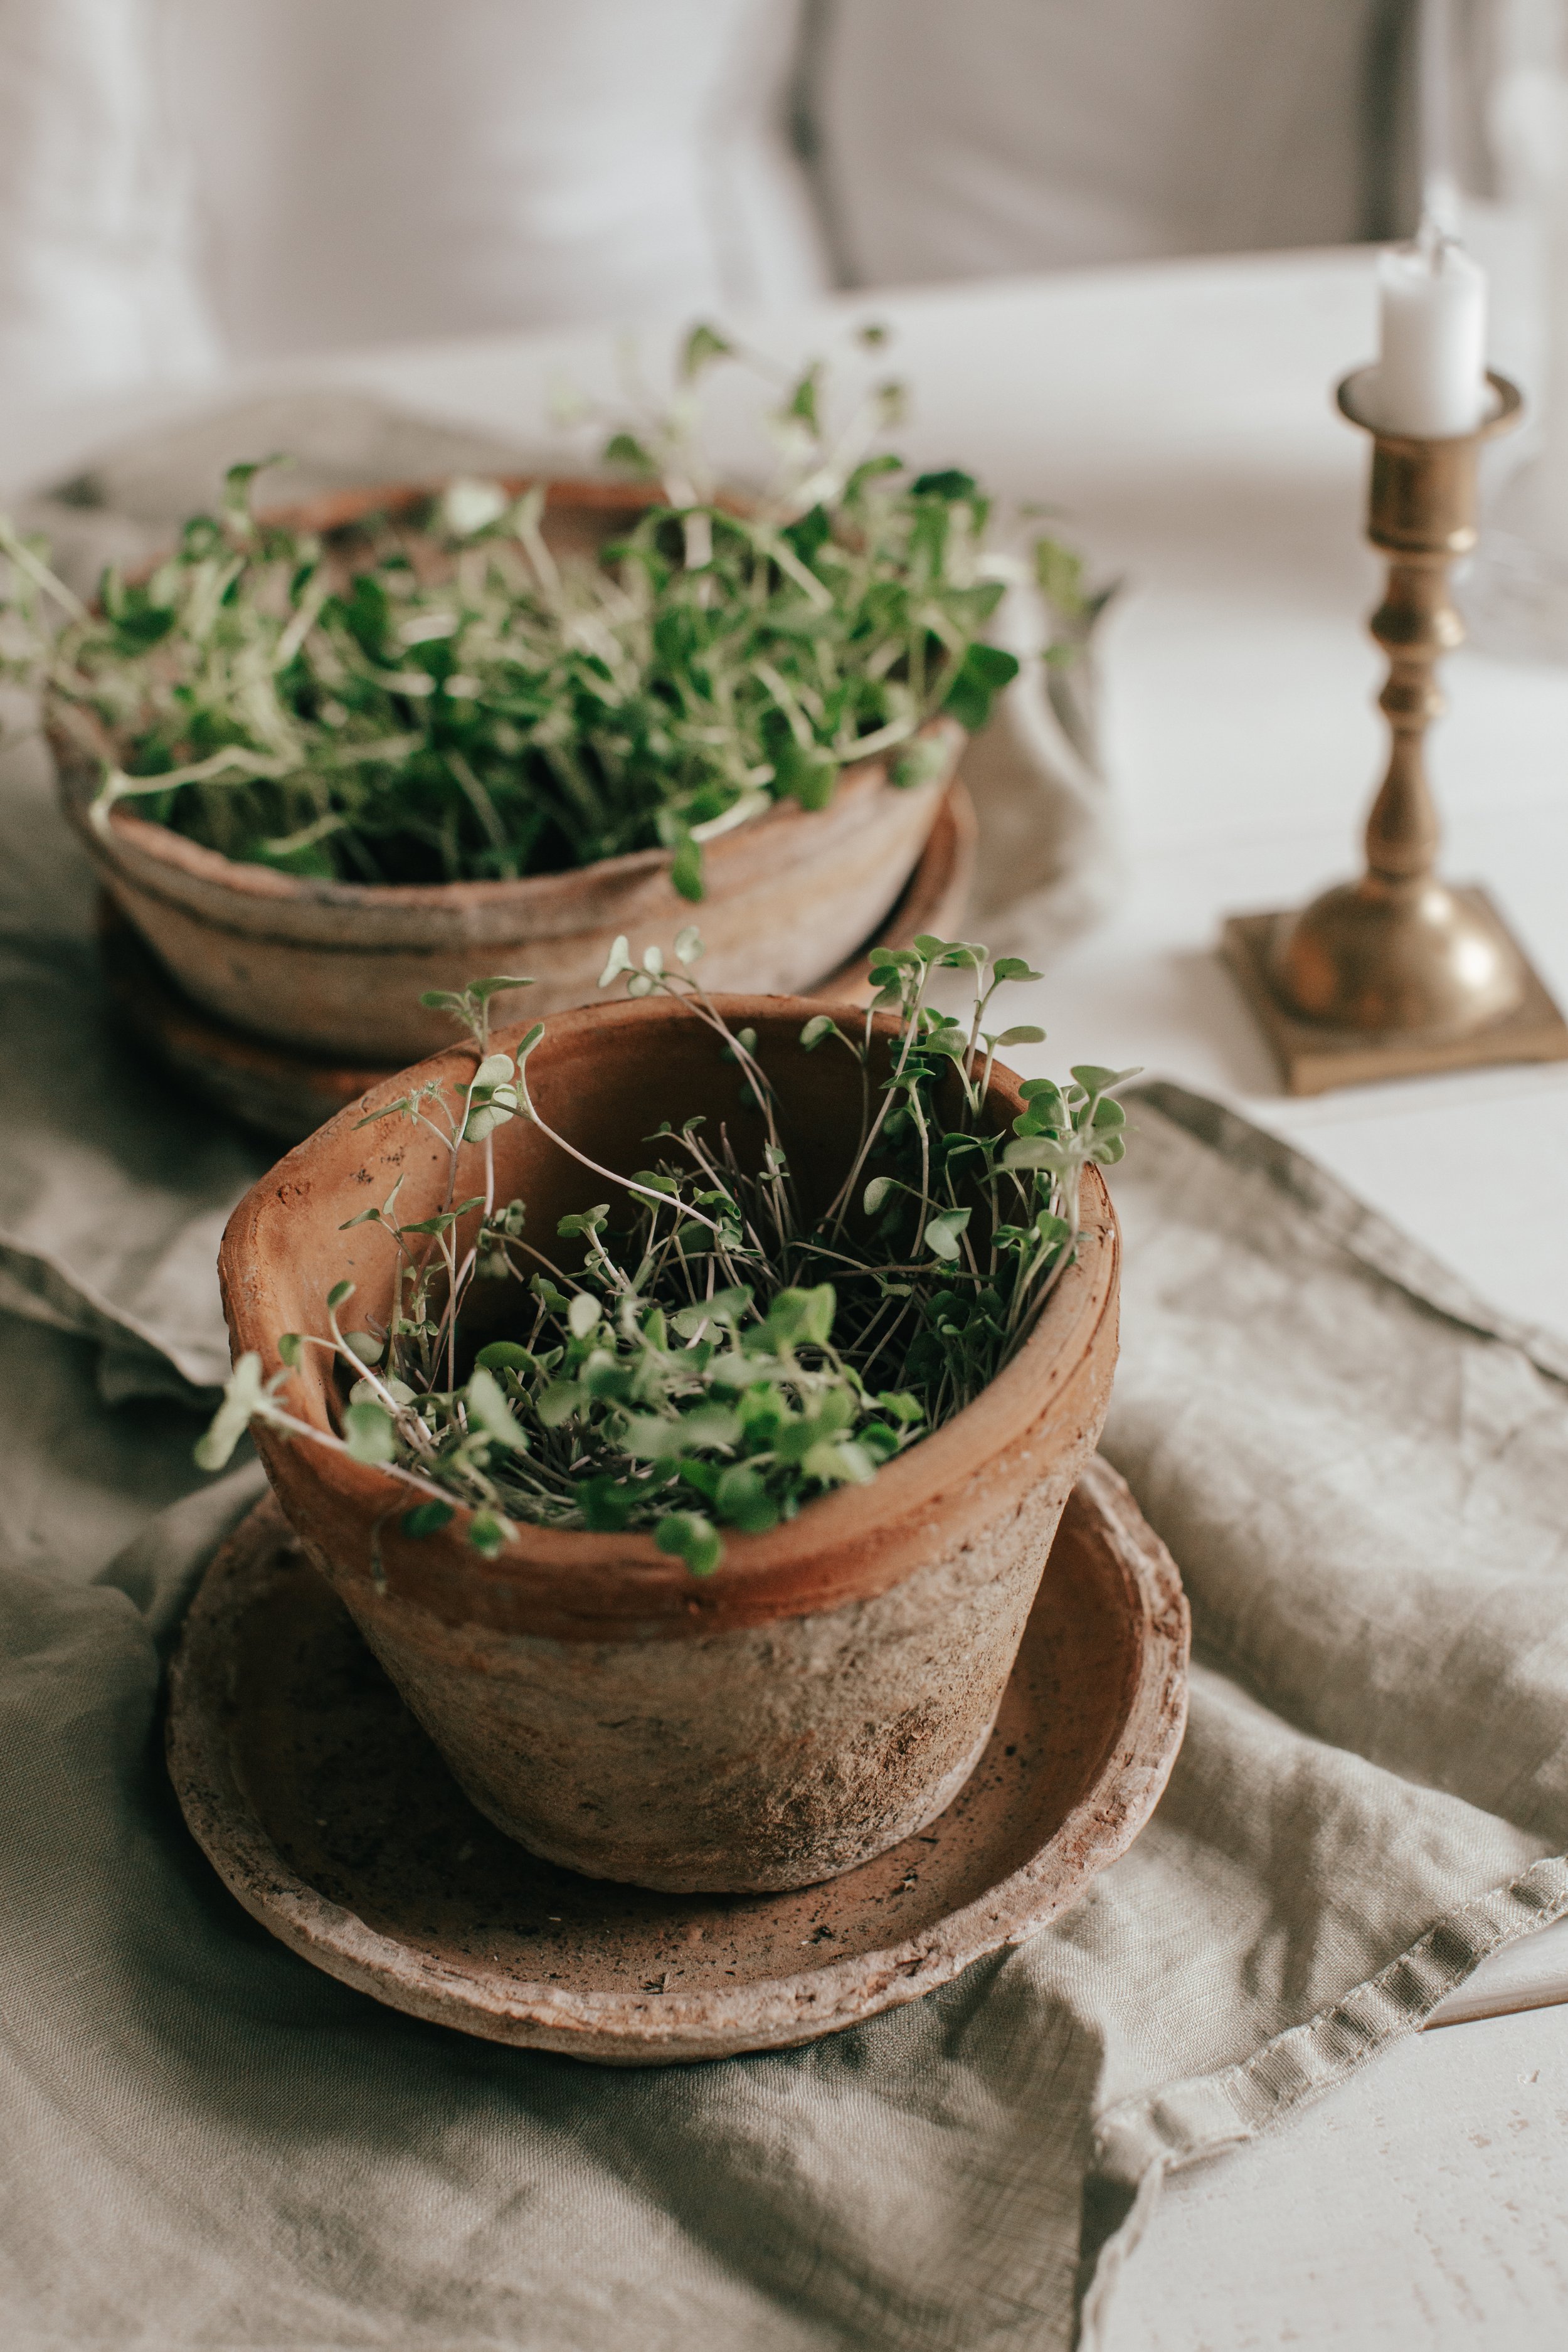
(707, 1352)
(436, 697)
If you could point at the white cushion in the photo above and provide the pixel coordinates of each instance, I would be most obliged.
(383, 170)
(97, 284)
(1003, 136)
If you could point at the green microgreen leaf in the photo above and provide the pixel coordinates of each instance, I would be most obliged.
(981, 675)
(490, 1413)
(942, 1230)
(692, 1538)
(488, 1532)
(369, 1434)
(704, 344)
(243, 1396)
(427, 1518)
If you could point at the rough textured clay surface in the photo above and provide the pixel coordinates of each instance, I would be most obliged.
(337, 968)
(285, 1093)
(322, 1804)
(765, 1755)
(822, 1694)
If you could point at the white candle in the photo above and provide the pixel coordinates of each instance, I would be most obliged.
(1431, 367)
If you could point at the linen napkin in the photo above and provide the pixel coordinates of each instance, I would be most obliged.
(1363, 1477)
(114, 1186)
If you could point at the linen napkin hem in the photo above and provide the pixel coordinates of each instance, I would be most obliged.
(1139, 2142)
(1343, 1217)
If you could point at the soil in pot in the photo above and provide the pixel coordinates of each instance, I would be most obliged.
(826, 1692)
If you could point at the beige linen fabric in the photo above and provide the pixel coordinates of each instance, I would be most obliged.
(1364, 1479)
(114, 1187)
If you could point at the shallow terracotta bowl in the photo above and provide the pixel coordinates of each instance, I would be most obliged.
(337, 968)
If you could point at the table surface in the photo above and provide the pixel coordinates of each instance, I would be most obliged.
(1180, 418)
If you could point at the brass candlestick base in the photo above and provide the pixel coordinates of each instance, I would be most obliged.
(1399, 973)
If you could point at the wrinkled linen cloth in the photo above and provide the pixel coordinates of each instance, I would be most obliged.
(1363, 1477)
(114, 1186)
(115, 1189)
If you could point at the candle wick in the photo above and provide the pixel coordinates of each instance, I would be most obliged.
(1434, 244)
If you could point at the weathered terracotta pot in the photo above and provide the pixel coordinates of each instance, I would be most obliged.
(286, 1094)
(337, 968)
(828, 1690)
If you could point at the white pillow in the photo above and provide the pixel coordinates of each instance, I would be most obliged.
(996, 135)
(97, 284)
(385, 170)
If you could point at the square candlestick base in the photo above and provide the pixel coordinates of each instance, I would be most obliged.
(1314, 1058)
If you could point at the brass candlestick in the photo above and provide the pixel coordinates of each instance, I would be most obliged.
(1400, 973)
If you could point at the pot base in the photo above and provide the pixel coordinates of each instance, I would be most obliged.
(287, 1095)
(946, 1789)
(327, 1812)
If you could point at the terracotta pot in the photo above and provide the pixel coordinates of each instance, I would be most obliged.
(337, 968)
(286, 1094)
(828, 1690)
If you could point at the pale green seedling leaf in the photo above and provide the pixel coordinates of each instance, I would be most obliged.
(243, 1392)
(369, 1434)
(616, 961)
(490, 1411)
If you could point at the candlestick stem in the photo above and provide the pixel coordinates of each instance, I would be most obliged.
(1415, 625)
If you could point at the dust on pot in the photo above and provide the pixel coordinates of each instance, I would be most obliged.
(823, 1695)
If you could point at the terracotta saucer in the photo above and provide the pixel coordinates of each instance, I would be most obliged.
(324, 1808)
(287, 1095)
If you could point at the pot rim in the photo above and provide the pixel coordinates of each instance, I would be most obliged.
(587, 1585)
(162, 846)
